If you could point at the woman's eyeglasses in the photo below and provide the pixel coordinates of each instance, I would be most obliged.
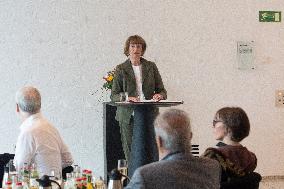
(215, 122)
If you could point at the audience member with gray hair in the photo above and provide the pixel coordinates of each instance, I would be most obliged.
(177, 168)
(39, 142)
(29, 100)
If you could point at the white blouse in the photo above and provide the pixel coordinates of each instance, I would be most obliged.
(138, 77)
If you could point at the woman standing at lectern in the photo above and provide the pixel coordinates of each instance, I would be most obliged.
(141, 79)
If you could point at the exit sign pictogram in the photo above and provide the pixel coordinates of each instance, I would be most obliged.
(270, 16)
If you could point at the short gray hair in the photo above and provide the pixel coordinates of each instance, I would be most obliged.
(173, 126)
(29, 100)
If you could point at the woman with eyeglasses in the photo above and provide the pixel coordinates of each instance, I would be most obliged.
(230, 126)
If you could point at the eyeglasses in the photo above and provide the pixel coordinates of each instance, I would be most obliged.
(215, 122)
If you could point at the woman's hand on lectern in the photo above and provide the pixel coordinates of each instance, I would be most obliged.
(158, 97)
(133, 99)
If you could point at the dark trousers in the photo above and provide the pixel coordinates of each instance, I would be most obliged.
(144, 147)
(126, 132)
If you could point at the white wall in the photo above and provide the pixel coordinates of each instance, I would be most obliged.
(65, 47)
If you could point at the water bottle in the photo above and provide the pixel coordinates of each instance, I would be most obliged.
(33, 177)
(6, 177)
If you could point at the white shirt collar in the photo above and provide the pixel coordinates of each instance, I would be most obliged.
(29, 120)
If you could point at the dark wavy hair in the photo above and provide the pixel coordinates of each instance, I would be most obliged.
(135, 39)
(236, 121)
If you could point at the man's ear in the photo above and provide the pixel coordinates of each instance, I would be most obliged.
(190, 134)
(159, 141)
(17, 108)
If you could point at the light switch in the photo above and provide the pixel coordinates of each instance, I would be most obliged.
(279, 98)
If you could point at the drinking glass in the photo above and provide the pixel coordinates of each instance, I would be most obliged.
(123, 97)
(55, 175)
(52, 173)
(12, 168)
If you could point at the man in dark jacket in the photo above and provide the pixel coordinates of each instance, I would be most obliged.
(177, 168)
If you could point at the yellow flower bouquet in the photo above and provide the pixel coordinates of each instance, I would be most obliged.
(108, 80)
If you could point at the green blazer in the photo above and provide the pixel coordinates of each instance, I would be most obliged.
(124, 80)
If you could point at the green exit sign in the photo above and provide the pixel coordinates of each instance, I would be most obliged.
(270, 16)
